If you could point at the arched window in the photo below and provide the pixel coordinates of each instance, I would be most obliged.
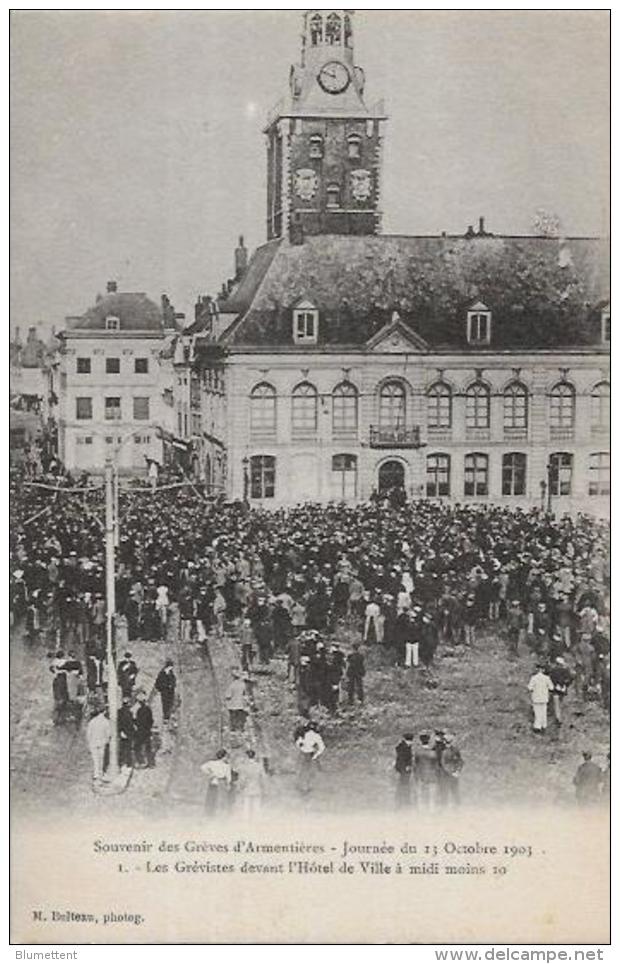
(305, 410)
(439, 406)
(354, 146)
(561, 473)
(477, 406)
(437, 475)
(344, 410)
(392, 407)
(514, 471)
(476, 474)
(599, 482)
(344, 476)
(333, 196)
(262, 477)
(263, 410)
(515, 408)
(316, 146)
(333, 29)
(562, 410)
(316, 29)
(600, 407)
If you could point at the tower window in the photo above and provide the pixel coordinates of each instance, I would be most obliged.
(316, 146)
(333, 29)
(354, 145)
(333, 196)
(316, 29)
(348, 32)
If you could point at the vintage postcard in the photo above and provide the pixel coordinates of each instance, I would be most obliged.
(310, 477)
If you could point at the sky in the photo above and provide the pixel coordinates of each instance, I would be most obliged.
(137, 151)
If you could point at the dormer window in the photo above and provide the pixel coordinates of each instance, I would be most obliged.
(316, 146)
(305, 324)
(354, 147)
(606, 326)
(479, 325)
(333, 196)
(112, 323)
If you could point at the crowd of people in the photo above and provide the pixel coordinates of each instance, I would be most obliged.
(413, 578)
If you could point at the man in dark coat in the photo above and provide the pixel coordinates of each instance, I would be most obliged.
(426, 771)
(356, 670)
(587, 781)
(127, 672)
(126, 734)
(165, 684)
(404, 766)
(144, 732)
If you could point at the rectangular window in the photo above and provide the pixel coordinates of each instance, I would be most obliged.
(83, 408)
(262, 477)
(112, 323)
(514, 468)
(112, 409)
(479, 327)
(305, 326)
(344, 476)
(141, 408)
(437, 475)
(112, 366)
(141, 366)
(476, 474)
(83, 366)
(561, 473)
(477, 407)
(599, 482)
(439, 407)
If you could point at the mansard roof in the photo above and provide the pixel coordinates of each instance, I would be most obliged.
(135, 311)
(542, 292)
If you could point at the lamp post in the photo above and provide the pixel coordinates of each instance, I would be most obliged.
(246, 478)
(110, 592)
(549, 487)
(543, 490)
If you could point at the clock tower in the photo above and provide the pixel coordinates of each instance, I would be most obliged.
(323, 142)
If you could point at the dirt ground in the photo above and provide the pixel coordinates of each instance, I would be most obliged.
(481, 697)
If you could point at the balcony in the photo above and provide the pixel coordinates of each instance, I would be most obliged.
(395, 438)
(561, 433)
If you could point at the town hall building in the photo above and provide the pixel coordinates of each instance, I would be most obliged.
(470, 368)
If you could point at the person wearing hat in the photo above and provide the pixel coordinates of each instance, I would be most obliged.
(219, 776)
(98, 733)
(165, 684)
(561, 677)
(411, 632)
(517, 626)
(450, 767)
(587, 781)
(404, 768)
(127, 672)
(126, 734)
(144, 732)
(540, 687)
(355, 672)
(426, 771)
(237, 702)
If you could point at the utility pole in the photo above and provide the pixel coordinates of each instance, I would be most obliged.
(110, 572)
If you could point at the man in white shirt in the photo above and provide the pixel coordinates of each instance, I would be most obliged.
(98, 733)
(540, 687)
(311, 746)
(219, 780)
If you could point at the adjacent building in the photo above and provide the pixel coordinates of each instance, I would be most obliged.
(116, 383)
(471, 368)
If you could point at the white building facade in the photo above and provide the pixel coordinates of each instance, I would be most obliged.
(113, 375)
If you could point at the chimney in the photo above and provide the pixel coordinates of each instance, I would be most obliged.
(481, 226)
(470, 231)
(241, 259)
(111, 287)
(17, 335)
(32, 333)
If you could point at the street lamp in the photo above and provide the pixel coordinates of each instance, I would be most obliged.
(246, 478)
(549, 487)
(543, 490)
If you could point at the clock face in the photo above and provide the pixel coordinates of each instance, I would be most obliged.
(334, 77)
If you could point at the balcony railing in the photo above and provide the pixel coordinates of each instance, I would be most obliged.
(561, 432)
(394, 438)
